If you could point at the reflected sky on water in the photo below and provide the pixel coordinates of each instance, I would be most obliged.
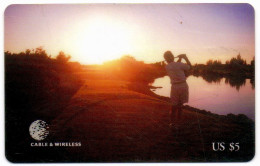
(220, 96)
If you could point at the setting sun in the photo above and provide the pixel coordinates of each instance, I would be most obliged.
(93, 34)
(101, 40)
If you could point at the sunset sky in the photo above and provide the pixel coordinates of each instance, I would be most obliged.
(94, 33)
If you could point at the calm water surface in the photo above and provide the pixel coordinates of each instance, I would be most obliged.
(221, 97)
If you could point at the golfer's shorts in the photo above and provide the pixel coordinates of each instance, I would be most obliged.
(179, 93)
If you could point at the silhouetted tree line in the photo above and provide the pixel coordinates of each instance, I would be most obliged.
(236, 66)
(236, 61)
(33, 78)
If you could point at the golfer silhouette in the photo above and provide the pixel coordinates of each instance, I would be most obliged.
(179, 87)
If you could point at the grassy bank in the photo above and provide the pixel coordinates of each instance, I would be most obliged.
(116, 122)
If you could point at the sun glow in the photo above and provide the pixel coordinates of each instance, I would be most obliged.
(101, 39)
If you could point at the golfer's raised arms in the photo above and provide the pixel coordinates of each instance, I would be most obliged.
(183, 56)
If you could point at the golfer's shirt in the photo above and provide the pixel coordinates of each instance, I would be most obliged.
(176, 73)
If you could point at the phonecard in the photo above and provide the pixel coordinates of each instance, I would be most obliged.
(129, 82)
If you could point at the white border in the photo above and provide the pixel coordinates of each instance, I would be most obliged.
(5, 3)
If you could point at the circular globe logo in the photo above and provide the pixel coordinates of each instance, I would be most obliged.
(39, 130)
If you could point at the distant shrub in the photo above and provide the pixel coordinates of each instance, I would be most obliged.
(62, 57)
(128, 68)
(214, 62)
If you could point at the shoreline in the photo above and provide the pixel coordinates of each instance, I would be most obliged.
(147, 90)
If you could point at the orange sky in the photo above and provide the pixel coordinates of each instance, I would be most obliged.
(94, 33)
